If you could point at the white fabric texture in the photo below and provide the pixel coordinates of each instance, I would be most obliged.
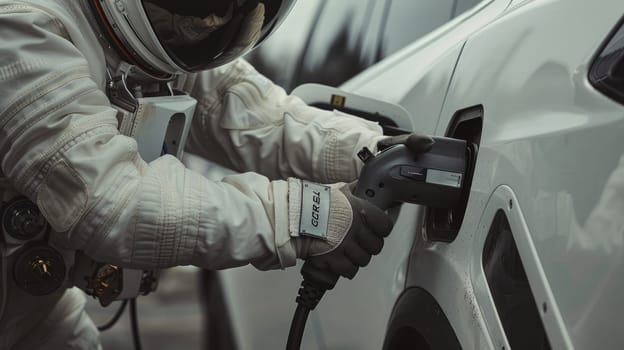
(60, 147)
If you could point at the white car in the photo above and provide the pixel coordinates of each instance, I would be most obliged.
(535, 260)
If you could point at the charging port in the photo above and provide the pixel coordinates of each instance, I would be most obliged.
(441, 224)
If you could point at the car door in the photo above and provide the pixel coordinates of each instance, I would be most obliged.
(536, 263)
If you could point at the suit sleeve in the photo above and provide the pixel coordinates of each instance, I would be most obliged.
(247, 123)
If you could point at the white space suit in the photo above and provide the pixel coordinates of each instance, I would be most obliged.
(60, 147)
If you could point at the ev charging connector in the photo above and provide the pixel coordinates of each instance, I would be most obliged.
(393, 176)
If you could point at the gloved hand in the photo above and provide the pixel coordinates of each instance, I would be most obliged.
(355, 232)
(417, 143)
(354, 227)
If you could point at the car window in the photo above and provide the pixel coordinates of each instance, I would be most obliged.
(335, 52)
(408, 20)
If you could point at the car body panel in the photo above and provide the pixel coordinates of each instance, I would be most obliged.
(432, 14)
(553, 141)
(422, 92)
(550, 143)
(417, 77)
(329, 42)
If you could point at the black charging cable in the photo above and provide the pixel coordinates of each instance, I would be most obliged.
(309, 297)
(108, 325)
(314, 285)
(134, 325)
(134, 322)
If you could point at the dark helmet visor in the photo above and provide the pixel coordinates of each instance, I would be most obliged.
(204, 34)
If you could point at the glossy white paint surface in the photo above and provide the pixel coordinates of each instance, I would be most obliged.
(418, 76)
(416, 79)
(553, 141)
(550, 144)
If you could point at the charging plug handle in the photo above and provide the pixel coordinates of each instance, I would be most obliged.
(393, 176)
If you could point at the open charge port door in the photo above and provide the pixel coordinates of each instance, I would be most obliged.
(394, 119)
(443, 225)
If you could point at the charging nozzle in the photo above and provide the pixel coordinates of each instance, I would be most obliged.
(394, 175)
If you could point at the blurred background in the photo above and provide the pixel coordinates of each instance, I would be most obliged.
(171, 318)
(321, 41)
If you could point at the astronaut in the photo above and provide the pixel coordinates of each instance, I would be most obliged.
(61, 149)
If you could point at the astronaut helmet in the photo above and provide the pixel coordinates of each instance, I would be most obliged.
(177, 36)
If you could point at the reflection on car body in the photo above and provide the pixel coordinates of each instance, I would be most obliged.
(536, 260)
(342, 38)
